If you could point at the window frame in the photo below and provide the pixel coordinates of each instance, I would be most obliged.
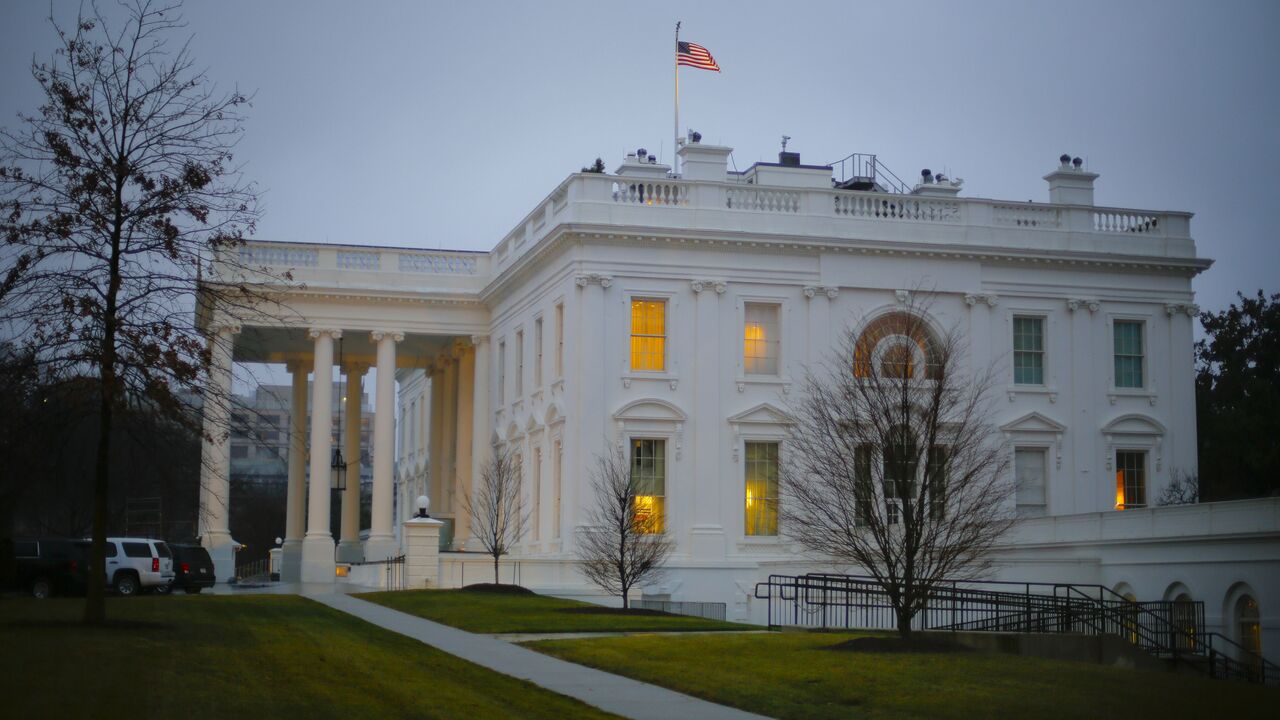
(777, 306)
(1043, 352)
(1144, 324)
(633, 443)
(666, 302)
(1044, 449)
(775, 498)
(519, 353)
(559, 354)
(502, 371)
(538, 338)
(1144, 478)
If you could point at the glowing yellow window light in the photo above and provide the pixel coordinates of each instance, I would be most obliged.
(648, 335)
(1119, 489)
(649, 513)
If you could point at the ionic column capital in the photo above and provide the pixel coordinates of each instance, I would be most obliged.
(720, 286)
(315, 333)
(378, 335)
(355, 369)
(479, 340)
(586, 279)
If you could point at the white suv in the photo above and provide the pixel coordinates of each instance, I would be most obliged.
(135, 564)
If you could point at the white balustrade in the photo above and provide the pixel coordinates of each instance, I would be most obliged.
(437, 263)
(1126, 221)
(1026, 216)
(880, 206)
(256, 254)
(359, 260)
(650, 192)
(761, 200)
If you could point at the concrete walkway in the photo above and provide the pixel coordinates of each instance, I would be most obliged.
(613, 693)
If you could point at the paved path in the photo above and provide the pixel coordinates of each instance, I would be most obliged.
(614, 693)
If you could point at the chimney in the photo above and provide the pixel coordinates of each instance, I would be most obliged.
(699, 161)
(936, 185)
(1070, 184)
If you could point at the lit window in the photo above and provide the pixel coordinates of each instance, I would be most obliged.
(895, 343)
(519, 364)
(560, 340)
(1028, 351)
(648, 335)
(1131, 479)
(537, 353)
(762, 488)
(1029, 475)
(898, 361)
(649, 481)
(1128, 353)
(760, 339)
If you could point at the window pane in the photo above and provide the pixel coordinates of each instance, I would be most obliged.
(1131, 479)
(648, 335)
(648, 478)
(1029, 475)
(1028, 351)
(863, 488)
(1128, 354)
(761, 339)
(762, 488)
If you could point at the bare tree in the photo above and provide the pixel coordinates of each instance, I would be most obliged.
(1183, 489)
(622, 546)
(110, 198)
(893, 464)
(496, 507)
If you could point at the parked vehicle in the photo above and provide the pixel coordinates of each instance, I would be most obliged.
(192, 568)
(137, 564)
(46, 567)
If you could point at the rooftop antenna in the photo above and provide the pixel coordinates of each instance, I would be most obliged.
(785, 138)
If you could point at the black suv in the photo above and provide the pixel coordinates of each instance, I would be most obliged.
(192, 568)
(50, 566)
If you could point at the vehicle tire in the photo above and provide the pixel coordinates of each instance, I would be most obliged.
(42, 588)
(193, 590)
(127, 584)
(163, 589)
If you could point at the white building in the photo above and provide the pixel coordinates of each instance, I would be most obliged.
(674, 316)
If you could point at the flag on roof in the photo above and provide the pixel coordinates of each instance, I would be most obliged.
(694, 55)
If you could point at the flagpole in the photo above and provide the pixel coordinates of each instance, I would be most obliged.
(675, 145)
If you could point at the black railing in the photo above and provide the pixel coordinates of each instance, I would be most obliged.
(863, 171)
(706, 610)
(392, 573)
(1167, 629)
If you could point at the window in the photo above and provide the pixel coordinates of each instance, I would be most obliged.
(502, 372)
(137, 550)
(560, 340)
(1028, 351)
(519, 364)
(762, 488)
(761, 339)
(239, 452)
(648, 335)
(1128, 351)
(649, 479)
(893, 344)
(1029, 470)
(111, 550)
(864, 498)
(537, 352)
(1131, 479)
(536, 514)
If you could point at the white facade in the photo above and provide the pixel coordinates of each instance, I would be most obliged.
(530, 347)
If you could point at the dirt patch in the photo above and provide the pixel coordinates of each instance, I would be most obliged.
(613, 611)
(877, 644)
(494, 589)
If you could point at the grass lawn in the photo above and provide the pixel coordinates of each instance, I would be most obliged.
(241, 657)
(503, 613)
(791, 675)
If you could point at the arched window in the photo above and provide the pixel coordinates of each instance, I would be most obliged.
(1185, 621)
(897, 345)
(1249, 626)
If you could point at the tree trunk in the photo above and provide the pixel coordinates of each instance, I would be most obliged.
(496, 558)
(904, 624)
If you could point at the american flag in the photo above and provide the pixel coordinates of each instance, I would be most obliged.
(695, 55)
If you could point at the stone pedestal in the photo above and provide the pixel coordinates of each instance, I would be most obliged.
(422, 553)
(291, 561)
(317, 559)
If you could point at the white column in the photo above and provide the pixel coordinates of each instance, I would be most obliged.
(296, 503)
(435, 426)
(216, 465)
(381, 543)
(317, 545)
(448, 434)
(463, 443)
(707, 539)
(349, 549)
(481, 414)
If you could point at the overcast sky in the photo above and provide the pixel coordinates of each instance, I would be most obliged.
(440, 125)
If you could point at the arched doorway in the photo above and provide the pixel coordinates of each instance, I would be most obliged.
(1249, 629)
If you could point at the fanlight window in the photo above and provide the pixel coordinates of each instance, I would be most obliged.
(898, 345)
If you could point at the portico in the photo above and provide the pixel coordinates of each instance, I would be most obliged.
(361, 324)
